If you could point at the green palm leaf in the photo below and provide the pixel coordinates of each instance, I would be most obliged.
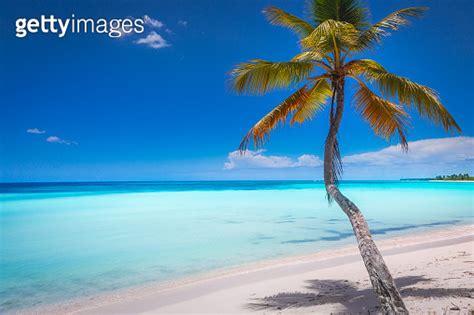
(350, 11)
(319, 58)
(260, 76)
(311, 55)
(362, 66)
(374, 34)
(331, 35)
(317, 97)
(279, 17)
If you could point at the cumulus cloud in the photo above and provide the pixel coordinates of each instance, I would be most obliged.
(152, 22)
(35, 131)
(425, 158)
(148, 21)
(257, 159)
(153, 40)
(433, 151)
(309, 160)
(55, 139)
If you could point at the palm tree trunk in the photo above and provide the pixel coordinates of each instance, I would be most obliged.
(382, 281)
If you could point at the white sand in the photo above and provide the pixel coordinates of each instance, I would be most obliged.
(434, 272)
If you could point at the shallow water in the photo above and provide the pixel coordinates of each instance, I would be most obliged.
(63, 241)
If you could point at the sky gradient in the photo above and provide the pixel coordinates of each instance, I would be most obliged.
(156, 106)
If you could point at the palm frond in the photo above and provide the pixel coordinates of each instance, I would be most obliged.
(318, 95)
(384, 117)
(279, 17)
(261, 130)
(319, 58)
(331, 35)
(260, 76)
(350, 11)
(358, 67)
(310, 55)
(374, 34)
(424, 99)
(304, 103)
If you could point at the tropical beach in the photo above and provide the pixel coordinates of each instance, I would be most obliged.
(433, 271)
(81, 254)
(222, 157)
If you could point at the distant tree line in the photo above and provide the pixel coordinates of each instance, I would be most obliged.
(455, 177)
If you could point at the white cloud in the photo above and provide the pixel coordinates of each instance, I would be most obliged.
(425, 158)
(183, 23)
(153, 40)
(309, 160)
(35, 131)
(55, 139)
(152, 22)
(257, 159)
(432, 151)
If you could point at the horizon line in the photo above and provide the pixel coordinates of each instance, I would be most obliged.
(209, 180)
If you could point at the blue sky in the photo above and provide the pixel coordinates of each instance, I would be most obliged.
(114, 109)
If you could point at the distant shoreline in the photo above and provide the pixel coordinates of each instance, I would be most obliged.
(432, 180)
(451, 180)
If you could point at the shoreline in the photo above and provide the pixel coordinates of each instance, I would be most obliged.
(451, 181)
(152, 297)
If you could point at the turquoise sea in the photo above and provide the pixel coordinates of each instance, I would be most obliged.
(65, 241)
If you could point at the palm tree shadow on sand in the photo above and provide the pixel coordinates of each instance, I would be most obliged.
(346, 293)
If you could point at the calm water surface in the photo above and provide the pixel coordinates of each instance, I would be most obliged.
(63, 241)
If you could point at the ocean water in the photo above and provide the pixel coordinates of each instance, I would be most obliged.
(67, 241)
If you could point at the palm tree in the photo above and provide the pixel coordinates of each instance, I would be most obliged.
(334, 32)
